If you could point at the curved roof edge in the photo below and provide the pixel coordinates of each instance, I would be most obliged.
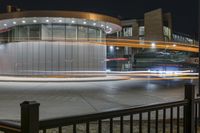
(66, 14)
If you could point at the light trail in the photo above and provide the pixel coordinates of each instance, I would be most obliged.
(146, 44)
(168, 78)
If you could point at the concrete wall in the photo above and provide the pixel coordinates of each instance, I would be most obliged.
(153, 22)
(135, 32)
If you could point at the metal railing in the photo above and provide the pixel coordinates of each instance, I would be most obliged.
(179, 116)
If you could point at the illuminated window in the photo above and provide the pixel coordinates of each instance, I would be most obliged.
(127, 31)
(141, 31)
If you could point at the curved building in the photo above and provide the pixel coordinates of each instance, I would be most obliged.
(54, 42)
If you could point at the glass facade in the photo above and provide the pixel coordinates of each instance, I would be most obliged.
(54, 32)
(52, 49)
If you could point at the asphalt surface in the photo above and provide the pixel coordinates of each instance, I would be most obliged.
(66, 99)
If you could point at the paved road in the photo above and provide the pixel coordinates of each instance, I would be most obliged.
(64, 99)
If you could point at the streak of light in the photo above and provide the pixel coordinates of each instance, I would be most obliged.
(169, 78)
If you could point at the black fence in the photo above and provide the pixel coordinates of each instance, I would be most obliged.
(174, 117)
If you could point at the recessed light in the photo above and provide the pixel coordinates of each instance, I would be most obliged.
(102, 25)
(47, 20)
(34, 21)
(23, 21)
(73, 21)
(60, 21)
(153, 44)
(107, 27)
(174, 45)
(94, 24)
(5, 24)
(14, 22)
(84, 22)
(111, 47)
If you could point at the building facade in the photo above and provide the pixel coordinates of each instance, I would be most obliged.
(54, 42)
(155, 26)
(76, 43)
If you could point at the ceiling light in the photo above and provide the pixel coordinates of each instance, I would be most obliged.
(73, 21)
(5, 24)
(47, 20)
(60, 21)
(14, 22)
(174, 45)
(34, 21)
(84, 22)
(23, 21)
(94, 24)
(102, 25)
(107, 27)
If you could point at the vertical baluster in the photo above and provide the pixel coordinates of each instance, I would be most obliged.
(111, 125)
(178, 118)
(198, 114)
(149, 122)
(99, 126)
(171, 120)
(59, 129)
(183, 121)
(196, 119)
(87, 127)
(74, 128)
(131, 123)
(156, 121)
(121, 124)
(140, 123)
(164, 119)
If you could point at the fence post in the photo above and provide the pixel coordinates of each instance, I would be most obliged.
(30, 117)
(189, 118)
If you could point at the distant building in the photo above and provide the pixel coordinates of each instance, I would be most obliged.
(156, 26)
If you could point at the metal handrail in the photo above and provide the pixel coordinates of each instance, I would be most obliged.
(65, 121)
(10, 126)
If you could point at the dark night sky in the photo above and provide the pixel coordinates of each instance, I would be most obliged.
(185, 12)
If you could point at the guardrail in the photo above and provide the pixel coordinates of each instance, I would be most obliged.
(179, 116)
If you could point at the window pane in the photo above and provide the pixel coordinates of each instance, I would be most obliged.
(99, 32)
(23, 33)
(141, 30)
(34, 32)
(71, 32)
(46, 32)
(82, 33)
(58, 32)
(127, 31)
(92, 34)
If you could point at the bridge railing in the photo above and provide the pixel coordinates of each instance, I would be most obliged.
(179, 116)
